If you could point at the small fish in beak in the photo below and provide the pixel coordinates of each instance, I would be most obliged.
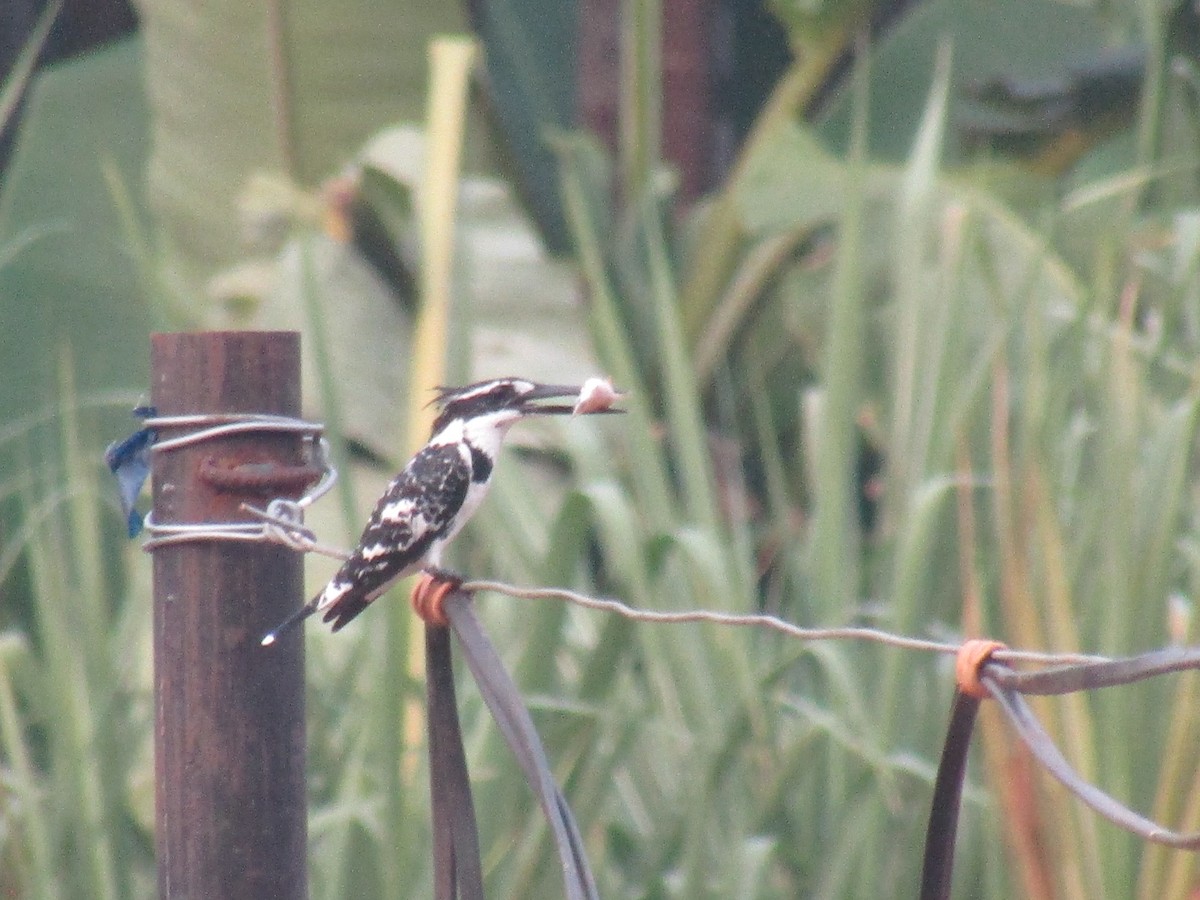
(597, 395)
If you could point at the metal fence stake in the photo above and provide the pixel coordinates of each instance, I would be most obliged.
(229, 715)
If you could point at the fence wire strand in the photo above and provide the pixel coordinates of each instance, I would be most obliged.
(1063, 673)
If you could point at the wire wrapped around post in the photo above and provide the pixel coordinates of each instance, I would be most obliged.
(229, 718)
(981, 676)
(456, 844)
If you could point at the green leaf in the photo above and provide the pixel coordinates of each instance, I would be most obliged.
(241, 87)
(69, 281)
(531, 86)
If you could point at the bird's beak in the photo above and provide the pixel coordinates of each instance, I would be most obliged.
(549, 392)
(557, 392)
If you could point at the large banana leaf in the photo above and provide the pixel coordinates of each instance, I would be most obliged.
(66, 276)
(238, 87)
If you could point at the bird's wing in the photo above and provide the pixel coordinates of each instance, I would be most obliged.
(417, 508)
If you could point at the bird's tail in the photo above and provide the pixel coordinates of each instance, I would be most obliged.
(291, 621)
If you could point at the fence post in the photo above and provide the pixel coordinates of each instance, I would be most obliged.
(229, 715)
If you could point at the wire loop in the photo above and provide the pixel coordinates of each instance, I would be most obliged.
(428, 598)
(283, 520)
(968, 663)
(216, 425)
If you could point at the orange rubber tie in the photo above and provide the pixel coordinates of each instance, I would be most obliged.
(972, 656)
(429, 597)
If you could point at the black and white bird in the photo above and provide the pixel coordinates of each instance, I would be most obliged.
(429, 502)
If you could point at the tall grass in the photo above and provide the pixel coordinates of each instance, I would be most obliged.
(75, 710)
(1039, 442)
(1036, 408)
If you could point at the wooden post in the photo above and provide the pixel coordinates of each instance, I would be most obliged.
(229, 714)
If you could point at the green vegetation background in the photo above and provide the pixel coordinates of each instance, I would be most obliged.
(1005, 361)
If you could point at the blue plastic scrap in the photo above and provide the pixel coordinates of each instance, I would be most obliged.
(129, 460)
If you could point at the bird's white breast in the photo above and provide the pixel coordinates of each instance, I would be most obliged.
(485, 433)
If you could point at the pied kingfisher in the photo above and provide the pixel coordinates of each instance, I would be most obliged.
(428, 503)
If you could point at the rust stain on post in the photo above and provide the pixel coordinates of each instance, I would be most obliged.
(229, 716)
